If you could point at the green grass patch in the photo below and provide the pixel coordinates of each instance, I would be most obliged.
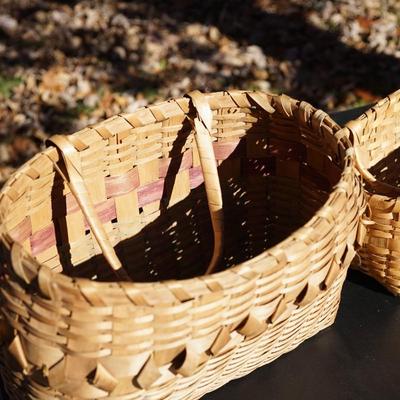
(7, 84)
(150, 93)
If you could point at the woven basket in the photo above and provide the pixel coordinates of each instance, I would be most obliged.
(147, 184)
(376, 135)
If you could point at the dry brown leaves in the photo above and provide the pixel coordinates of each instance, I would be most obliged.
(65, 65)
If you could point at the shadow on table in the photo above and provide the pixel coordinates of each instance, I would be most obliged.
(360, 279)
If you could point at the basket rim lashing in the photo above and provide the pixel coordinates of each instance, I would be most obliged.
(244, 269)
(375, 138)
(176, 338)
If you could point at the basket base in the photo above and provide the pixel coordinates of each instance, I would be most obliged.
(248, 355)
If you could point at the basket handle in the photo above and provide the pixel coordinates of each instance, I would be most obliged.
(353, 130)
(203, 127)
(80, 192)
(202, 124)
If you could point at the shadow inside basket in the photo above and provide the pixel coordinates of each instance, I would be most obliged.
(387, 169)
(266, 197)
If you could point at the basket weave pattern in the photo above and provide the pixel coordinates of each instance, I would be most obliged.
(376, 134)
(286, 173)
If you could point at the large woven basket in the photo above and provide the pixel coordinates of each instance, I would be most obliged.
(74, 326)
(376, 136)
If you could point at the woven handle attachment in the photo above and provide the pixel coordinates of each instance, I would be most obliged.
(354, 130)
(80, 192)
(203, 127)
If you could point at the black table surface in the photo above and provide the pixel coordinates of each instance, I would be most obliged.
(356, 358)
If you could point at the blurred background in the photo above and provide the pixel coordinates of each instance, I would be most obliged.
(67, 64)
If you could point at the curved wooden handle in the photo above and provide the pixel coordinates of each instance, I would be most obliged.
(353, 129)
(79, 191)
(203, 127)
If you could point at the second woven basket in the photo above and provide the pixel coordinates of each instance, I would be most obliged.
(376, 136)
(140, 188)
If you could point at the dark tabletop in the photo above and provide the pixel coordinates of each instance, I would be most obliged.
(356, 358)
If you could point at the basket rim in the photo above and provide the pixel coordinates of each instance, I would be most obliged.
(352, 129)
(243, 269)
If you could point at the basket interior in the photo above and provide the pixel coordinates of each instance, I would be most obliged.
(275, 172)
(387, 169)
